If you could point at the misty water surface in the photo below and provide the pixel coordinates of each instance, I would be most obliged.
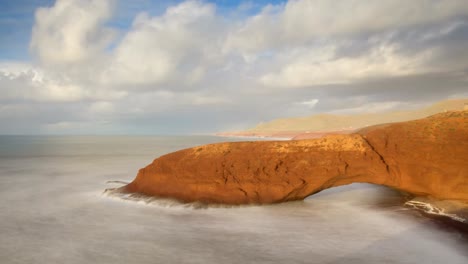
(52, 211)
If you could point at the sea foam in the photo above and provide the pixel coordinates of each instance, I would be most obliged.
(434, 210)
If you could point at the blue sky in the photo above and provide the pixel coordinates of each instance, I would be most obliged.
(185, 67)
(16, 20)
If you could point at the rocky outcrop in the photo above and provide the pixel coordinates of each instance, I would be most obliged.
(426, 157)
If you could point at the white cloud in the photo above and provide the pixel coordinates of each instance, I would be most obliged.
(29, 83)
(20, 81)
(190, 42)
(193, 60)
(310, 68)
(298, 22)
(310, 103)
(101, 107)
(176, 47)
(71, 31)
(445, 30)
(199, 100)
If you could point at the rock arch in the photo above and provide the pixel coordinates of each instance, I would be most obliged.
(423, 157)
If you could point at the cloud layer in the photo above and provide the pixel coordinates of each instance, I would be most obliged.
(195, 69)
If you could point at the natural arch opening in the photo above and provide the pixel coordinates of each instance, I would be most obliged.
(363, 194)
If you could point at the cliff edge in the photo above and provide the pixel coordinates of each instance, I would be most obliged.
(426, 157)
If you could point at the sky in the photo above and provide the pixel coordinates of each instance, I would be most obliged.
(196, 67)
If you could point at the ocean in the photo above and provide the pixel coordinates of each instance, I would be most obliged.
(53, 209)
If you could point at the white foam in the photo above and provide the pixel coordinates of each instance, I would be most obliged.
(141, 199)
(434, 210)
(118, 182)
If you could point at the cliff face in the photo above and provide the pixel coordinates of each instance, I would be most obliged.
(424, 157)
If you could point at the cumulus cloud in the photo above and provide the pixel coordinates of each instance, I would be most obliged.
(299, 22)
(71, 31)
(309, 69)
(196, 64)
(176, 47)
(31, 83)
(28, 83)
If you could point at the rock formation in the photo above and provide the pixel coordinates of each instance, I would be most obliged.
(427, 157)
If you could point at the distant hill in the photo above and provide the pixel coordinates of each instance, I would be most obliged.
(330, 122)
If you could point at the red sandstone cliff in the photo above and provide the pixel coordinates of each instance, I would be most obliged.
(423, 157)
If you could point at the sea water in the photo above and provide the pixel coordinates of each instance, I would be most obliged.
(53, 210)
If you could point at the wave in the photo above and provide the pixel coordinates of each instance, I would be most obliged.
(118, 182)
(116, 193)
(434, 210)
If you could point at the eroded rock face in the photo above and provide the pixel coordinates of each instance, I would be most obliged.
(423, 157)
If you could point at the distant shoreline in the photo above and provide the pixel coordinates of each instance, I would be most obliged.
(284, 135)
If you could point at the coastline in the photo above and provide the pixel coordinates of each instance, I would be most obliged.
(284, 135)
